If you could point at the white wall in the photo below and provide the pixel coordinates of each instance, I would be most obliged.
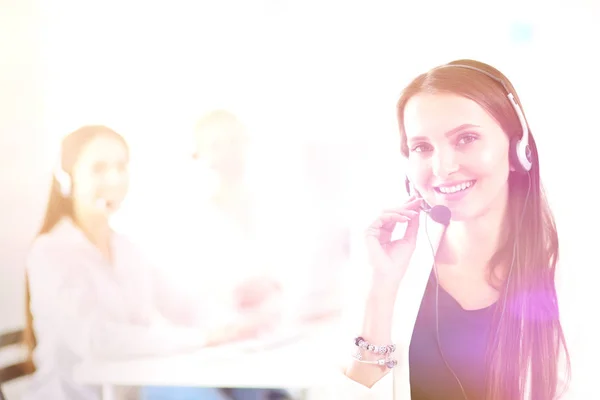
(21, 150)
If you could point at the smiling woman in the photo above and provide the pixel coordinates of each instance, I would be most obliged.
(486, 325)
(452, 163)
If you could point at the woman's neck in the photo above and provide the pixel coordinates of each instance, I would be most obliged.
(97, 230)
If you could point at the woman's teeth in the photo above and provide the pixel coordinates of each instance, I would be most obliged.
(455, 188)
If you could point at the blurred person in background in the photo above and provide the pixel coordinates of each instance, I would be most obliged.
(222, 148)
(223, 259)
(321, 210)
(91, 294)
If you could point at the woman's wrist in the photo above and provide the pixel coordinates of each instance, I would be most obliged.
(379, 309)
(382, 290)
(379, 313)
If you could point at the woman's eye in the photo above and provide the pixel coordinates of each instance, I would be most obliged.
(422, 147)
(99, 168)
(122, 166)
(466, 139)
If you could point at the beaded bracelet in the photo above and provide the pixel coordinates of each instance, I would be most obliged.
(386, 351)
(382, 362)
(360, 342)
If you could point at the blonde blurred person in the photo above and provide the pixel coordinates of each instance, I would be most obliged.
(323, 234)
(222, 148)
(221, 256)
(91, 293)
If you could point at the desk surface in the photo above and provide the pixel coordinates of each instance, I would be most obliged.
(301, 363)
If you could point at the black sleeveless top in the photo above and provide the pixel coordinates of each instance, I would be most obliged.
(463, 337)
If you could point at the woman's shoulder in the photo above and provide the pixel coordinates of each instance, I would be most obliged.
(55, 247)
(60, 237)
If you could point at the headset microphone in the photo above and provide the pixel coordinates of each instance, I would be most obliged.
(440, 214)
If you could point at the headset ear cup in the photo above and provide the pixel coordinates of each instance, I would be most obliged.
(64, 182)
(513, 156)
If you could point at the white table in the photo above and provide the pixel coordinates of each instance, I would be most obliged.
(301, 364)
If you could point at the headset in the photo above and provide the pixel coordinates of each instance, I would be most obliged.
(64, 180)
(521, 159)
(520, 152)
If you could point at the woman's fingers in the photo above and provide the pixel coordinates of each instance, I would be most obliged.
(410, 205)
(383, 226)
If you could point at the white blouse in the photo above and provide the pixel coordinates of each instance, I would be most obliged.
(85, 307)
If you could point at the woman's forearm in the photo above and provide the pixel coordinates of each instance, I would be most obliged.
(377, 330)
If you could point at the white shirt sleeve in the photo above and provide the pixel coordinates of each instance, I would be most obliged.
(66, 302)
(346, 388)
(176, 305)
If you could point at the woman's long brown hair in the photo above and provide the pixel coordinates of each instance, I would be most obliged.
(526, 337)
(60, 206)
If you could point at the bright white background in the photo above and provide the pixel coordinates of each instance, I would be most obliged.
(293, 70)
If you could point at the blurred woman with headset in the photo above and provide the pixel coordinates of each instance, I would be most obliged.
(91, 294)
(483, 322)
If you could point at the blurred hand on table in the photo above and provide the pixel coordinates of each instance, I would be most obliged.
(255, 292)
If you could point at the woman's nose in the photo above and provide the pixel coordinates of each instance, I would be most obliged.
(444, 164)
(114, 176)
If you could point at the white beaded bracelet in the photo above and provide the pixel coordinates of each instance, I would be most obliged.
(382, 362)
(361, 343)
